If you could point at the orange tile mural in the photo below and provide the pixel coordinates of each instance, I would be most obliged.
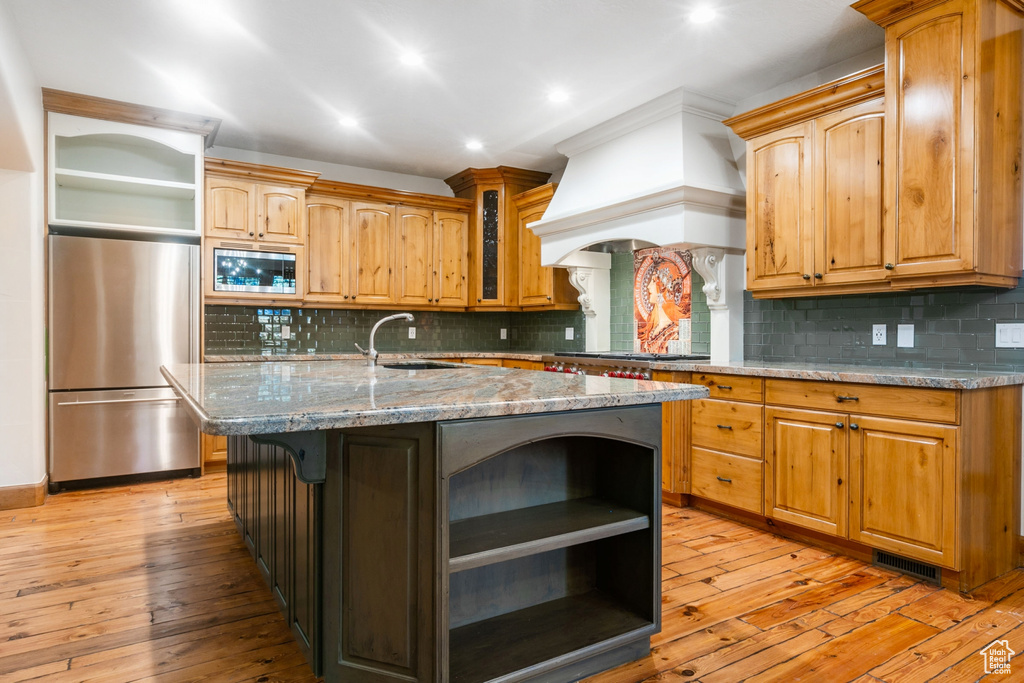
(661, 300)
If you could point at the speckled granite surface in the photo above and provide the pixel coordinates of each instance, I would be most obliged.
(384, 357)
(268, 398)
(862, 374)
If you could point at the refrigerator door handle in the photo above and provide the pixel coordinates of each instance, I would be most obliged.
(119, 400)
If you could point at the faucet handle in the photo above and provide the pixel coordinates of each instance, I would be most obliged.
(361, 349)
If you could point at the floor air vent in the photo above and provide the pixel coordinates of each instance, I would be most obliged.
(912, 567)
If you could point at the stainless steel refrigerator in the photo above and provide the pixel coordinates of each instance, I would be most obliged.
(118, 310)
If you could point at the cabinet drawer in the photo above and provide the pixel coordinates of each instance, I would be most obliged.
(727, 426)
(931, 405)
(731, 387)
(730, 479)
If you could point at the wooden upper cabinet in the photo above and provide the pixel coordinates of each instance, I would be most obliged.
(451, 252)
(780, 211)
(279, 214)
(326, 223)
(371, 253)
(953, 145)
(805, 468)
(848, 162)
(494, 250)
(415, 263)
(903, 483)
(815, 167)
(539, 286)
(230, 209)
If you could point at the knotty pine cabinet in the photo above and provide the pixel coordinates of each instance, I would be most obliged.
(928, 474)
(953, 143)
(675, 437)
(814, 190)
(432, 257)
(494, 249)
(539, 286)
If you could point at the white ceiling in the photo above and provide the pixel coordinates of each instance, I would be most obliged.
(280, 73)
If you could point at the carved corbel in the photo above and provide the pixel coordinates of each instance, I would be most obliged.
(708, 263)
(581, 279)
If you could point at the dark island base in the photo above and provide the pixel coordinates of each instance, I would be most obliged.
(501, 549)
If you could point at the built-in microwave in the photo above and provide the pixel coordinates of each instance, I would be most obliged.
(263, 272)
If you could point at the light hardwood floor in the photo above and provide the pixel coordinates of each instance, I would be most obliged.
(151, 582)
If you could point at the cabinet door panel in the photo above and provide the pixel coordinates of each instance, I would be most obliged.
(931, 119)
(848, 181)
(328, 265)
(805, 474)
(281, 214)
(780, 241)
(902, 487)
(371, 240)
(415, 267)
(536, 283)
(230, 209)
(452, 253)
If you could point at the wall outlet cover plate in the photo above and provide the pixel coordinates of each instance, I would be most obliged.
(905, 336)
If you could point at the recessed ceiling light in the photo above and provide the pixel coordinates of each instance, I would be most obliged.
(411, 58)
(474, 145)
(702, 14)
(348, 122)
(558, 96)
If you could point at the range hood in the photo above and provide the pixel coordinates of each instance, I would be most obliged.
(664, 175)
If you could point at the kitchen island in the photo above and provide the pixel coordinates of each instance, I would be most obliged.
(441, 522)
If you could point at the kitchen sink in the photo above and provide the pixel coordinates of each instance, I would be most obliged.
(419, 365)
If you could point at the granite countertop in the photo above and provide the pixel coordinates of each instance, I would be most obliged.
(862, 374)
(384, 357)
(267, 398)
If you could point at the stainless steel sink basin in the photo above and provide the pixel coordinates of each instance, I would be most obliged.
(418, 365)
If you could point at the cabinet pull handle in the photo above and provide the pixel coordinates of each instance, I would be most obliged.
(729, 427)
(817, 276)
(854, 425)
(840, 399)
(889, 266)
(727, 481)
(839, 424)
(806, 276)
(723, 387)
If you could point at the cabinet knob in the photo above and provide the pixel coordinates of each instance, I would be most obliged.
(889, 266)
(251, 233)
(854, 425)
(806, 276)
(479, 300)
(839, 425)
(817, 276)
(261, 234)
(346, 296)
(430, 300)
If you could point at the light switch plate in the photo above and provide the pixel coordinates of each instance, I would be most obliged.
(412, 332)
(570, 333)
(878, 335)
(905, 336)
(1010, 336)
(504, 333)
(286, 332)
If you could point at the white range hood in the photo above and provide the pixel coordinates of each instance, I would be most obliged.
(662, 174)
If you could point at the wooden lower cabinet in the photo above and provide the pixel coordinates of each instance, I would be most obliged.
(675, 437)
(805, 469)
(903, 488)
(726, 478)
(215, 451)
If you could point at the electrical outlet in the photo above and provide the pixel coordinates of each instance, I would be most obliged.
(1010, 336)
(905, 336)
(570, 333)
(878, 335)
(504, 333)
(412, 332)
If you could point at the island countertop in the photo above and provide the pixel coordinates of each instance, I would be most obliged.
(269, 398)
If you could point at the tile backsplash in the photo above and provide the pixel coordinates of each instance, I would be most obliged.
(953, 328)
(252, 330)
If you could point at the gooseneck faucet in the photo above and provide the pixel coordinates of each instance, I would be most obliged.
(371, 353)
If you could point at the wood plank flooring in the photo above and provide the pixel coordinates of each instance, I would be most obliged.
(151, 583)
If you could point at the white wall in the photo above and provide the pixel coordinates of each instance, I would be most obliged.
(339, 172)
(22, 360)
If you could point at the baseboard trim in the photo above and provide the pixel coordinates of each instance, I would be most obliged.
(26, 496)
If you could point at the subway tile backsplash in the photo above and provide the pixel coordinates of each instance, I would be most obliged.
(254, 330)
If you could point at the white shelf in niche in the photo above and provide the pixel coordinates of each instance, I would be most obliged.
(105, 182)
